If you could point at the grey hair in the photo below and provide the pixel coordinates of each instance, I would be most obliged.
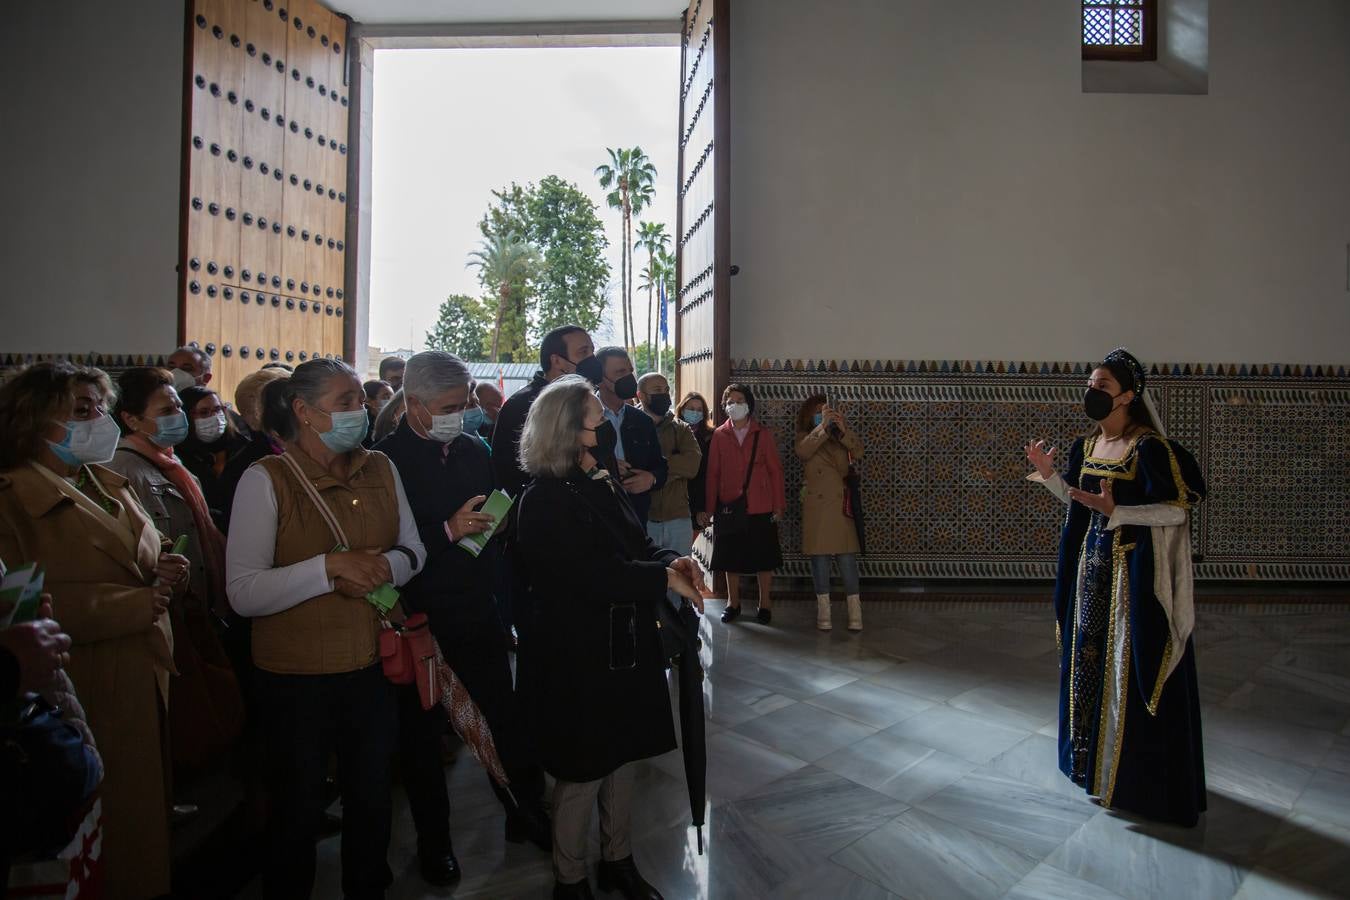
(549, 442)
(308, 382)
(203, 358)
(433, 372)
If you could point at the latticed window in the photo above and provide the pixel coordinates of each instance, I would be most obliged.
(1120, 29)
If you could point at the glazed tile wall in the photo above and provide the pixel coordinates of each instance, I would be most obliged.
(945, 496)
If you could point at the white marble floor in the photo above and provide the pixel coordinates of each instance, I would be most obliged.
(917, 760)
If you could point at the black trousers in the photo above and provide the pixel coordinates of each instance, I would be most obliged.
(306, 719)
(477, 654)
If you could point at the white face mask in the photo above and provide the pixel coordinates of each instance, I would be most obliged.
(88, 441)
(446, 428)
(209, 430)
(737, 411)
(183, 380)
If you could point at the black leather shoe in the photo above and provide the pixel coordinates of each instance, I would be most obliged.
(764, 616)
(182, 813)
(730, 613)
(531, 825)
(622, 876)
(579, 891)
(440, 870)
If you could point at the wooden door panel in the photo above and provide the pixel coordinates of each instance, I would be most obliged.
(262, 189)
(702, 306)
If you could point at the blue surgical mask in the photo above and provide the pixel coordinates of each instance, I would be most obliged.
(170, 430)
(348, 431)
(817, 419)
(87, 441)
(692, 416)
(473, 419)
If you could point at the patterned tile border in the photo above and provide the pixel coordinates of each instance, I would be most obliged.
(10, 361)
(1024, 368)
(944, 438)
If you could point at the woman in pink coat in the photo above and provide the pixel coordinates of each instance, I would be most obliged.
(743, 462)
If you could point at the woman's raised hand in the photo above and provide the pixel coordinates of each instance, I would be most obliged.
(1042, 458)
(678, 582)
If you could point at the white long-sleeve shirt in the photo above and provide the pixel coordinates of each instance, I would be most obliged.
(258, 587)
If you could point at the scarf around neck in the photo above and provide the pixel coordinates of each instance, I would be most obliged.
(208, 536)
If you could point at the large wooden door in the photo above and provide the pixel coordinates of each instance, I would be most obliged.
(703, 213)
(265, 176)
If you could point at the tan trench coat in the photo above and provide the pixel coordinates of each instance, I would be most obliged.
(99, 571)
(825, 528)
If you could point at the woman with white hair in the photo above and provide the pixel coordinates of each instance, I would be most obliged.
(591, 666)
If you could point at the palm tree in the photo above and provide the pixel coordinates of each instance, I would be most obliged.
(503, 260)
(658, 272)
(653, 238)
(629, 176)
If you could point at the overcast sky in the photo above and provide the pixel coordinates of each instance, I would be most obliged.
(453, 125)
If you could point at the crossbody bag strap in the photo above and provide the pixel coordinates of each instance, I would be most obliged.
(324, 509)
(750, 469)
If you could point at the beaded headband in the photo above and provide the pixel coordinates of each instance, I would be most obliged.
(1121, 355)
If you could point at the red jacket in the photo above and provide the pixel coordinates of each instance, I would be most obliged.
(727, 461)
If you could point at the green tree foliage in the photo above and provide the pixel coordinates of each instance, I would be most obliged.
(644, 362)
(629, 176)
(464, 328)
(506, 264)
(568, 286)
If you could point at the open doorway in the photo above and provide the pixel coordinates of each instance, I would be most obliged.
(499, 179)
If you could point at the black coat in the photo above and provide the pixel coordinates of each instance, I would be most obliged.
(642, 450)
(453, 587)
(584, 550)
(218, 490)
(506, 436)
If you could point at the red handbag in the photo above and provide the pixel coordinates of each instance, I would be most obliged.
(408, 655)
(396, 656)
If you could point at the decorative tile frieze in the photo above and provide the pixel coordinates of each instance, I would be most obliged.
(944, 492)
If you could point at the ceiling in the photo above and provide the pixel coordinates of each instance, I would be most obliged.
(455, 12)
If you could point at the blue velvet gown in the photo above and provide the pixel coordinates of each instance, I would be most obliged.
(1129, 733)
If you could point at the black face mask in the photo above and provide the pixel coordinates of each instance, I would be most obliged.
(626, 387)
(606, 439)
(1098, 404)
(591, 369)
(658, 404)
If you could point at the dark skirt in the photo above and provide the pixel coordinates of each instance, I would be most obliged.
(753, 550)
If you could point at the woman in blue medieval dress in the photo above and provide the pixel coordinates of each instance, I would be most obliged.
(1129, 709)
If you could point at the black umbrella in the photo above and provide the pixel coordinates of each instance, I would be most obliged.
(854, 507)
(680, 640)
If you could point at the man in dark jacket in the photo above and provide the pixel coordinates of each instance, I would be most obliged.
(564, 351)
(447, 474)
(638, 463)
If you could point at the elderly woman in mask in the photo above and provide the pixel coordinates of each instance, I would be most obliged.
(329, 523)
(111, 584)
(153, 423)
(591, 664)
